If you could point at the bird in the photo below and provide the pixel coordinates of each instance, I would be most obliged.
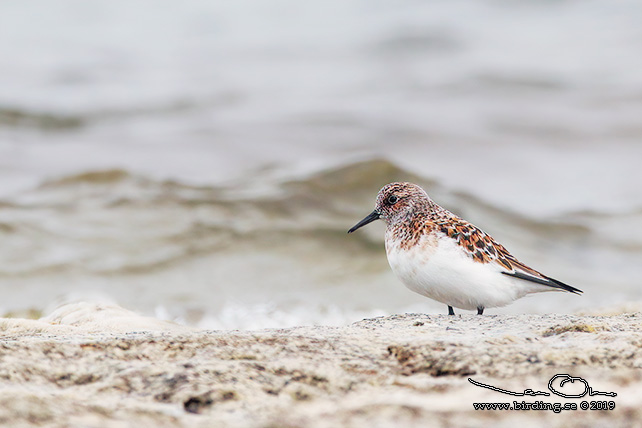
(445, 258)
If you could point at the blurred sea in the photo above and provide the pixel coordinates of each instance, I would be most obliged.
(202, 161)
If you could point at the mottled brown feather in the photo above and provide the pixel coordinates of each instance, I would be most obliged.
(480, 246)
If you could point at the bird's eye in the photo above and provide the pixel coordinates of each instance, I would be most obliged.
(392, 199)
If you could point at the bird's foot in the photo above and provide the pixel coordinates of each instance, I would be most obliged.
(451, 311)
(480, 310)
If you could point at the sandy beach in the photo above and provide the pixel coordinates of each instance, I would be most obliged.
(102, 366)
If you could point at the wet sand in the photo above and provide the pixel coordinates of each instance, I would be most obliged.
(101, 366)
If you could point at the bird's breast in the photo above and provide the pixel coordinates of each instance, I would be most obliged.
(406, 260)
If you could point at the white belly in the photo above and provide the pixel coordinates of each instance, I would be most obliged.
(440, 270)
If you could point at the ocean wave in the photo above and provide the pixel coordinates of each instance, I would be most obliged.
(215, 255)
(15, 117)
(115, 221)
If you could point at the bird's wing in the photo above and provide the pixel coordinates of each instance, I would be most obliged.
(482, 248)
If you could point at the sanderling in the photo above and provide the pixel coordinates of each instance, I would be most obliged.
(443, 257)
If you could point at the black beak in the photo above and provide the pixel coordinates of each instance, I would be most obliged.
(369, 219)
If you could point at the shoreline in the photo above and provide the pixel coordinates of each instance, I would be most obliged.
(400, 370)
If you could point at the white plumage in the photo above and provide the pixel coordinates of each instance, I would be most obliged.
(439, 269)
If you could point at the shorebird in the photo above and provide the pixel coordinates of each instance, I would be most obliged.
(445, 258)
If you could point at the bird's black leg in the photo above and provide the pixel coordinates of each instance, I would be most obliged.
(480, 310)
(451, 311)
